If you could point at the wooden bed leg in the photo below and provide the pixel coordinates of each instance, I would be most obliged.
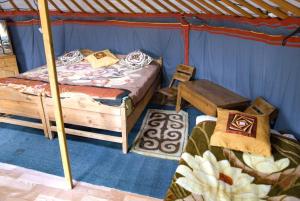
(42, 116)
(124, 142)
(124, 130)
(48, 124)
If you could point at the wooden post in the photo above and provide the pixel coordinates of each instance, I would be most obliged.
(48, 45)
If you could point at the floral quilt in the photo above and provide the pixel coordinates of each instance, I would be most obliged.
(208, 173)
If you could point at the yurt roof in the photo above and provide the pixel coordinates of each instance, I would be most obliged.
(246, 8)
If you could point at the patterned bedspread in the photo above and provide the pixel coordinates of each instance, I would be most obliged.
(208, 173)
(108, 85)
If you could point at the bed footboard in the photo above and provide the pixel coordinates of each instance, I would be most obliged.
(14, 104)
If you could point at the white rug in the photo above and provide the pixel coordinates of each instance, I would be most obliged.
(163, 134)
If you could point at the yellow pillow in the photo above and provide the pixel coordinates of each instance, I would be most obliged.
(243, 132)
(101, 59)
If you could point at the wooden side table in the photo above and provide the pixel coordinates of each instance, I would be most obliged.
(8, 66)
(207, 96)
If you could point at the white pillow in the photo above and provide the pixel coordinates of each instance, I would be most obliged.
(70, 57)
(136, 60)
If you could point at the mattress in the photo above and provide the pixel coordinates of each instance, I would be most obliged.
(107, 85)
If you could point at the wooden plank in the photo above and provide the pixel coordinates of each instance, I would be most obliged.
(210, 7)
(50, 58)
(113, 5)
(137, 6)
(288, 6)
(221, 6)
(86, 103)
(97, 136)
(101, 5)
(237, 8)
(88, 119)
(18, 122)
(23, 108)
(270, 9)
(252, 8)
(125, 6)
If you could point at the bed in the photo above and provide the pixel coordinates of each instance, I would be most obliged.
(110, 98)
(212, 173)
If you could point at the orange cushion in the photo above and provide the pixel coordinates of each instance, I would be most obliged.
(243, 132)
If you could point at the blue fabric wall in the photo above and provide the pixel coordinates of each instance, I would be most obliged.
(156, 42)
(166, 43)
(252, 69)
(28, 45)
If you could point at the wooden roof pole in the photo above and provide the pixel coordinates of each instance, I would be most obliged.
(101, 6)
(270, 8)
(125, 6)
(29, 5)
(90, 6)
(150, 6)
(162, 5)
(200, 7)
(77, 5)
(13, 4)
(252, 8)
(191, 9)
(237, 8)
(67, 6)
(178, 10)
(113, 6)
(137, 5)
(48, 44)
(210, 7)
(219, 5)
(54, 5)
(288, 6)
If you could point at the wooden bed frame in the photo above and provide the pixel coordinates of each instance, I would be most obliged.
(79, 110)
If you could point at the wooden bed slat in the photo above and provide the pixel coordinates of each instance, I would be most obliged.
(18, 122)
(87, 134)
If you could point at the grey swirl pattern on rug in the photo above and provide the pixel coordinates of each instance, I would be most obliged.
(163, 134)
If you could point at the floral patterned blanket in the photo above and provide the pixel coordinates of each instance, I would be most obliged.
(208, 173)
(107, 84)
